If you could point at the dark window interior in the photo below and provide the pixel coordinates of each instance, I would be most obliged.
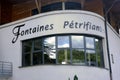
(52, 7)
(72, 6)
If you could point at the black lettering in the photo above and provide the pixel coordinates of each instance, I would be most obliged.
(76, 24)
(84, 25)
(41, 28)
(38, 28)
(71, 24)
(26, 32)
(51, 26)
(16, 32)
(47, 27)
(22, 33)
(80, 24)
(87, 25)
(98, 28)
(34, 30)
(93, 27)
(30, 30)
(66, 23)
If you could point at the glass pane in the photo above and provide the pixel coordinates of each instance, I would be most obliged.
(49, 56)
(72, 5)
(49, 50)
(64, 56)
(91, 57)
(99, 52)
(27, 50)
(77, 42)
(27, 47)
(56, 6)
(78, 56)
(38, 44)
(63, 41)
(35, 11)
(52, 7)
(49, 43)
(90, 42)
(27, 60)
(37, 58)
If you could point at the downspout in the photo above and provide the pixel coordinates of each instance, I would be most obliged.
(63, 4)
(82, 4)
(37, 3)
(107, 43)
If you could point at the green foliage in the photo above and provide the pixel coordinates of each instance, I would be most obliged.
(75, 77)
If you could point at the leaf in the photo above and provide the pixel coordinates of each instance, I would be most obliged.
(75, 77)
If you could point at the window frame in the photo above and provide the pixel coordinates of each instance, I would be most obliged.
(70, 48)
(58, 6)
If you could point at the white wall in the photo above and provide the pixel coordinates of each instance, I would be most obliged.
(114, 48)
(12, 52)
(57, 72)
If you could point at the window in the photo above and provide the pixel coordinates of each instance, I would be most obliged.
(58, 6)
(32, 52)
(78, 56)
(61, 6)
(51, 7)
(72, 6)
(63, 41)
(35, 11)
(27, 47)
(63, 49)
(49, 50)
(90, 43)
(63, 56)
(77, 42)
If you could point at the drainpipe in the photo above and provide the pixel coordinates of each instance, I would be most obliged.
(108, 52)
(82, 4)
(37, 3)
(107, 43)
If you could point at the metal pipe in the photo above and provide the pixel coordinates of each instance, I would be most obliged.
(107, 43)
(108, 52)
(37, 5)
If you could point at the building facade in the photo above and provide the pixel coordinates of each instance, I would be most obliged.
(59, 40)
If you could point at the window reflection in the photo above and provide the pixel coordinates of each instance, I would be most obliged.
(91, 57)
(60, 6)
(37, 58)
(38, 44)
(52, 7)
(49, 42)
(27, 50)
(98, 45)
(27, 60)
(63, 56)
(89, 42)
(63, 41)
(77, 42)
(78, 56)
(72, 49)
(49, 50)
(27, 46)
(72, 6)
